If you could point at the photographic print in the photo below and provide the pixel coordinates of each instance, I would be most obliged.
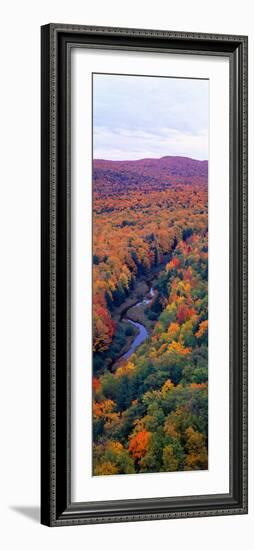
(144, 243)
(150, 274)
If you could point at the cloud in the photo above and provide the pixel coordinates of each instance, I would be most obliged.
(137, 117)
(126, 145)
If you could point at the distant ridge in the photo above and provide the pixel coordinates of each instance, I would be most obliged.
(150, 173)
(153, 159)
(180, 166)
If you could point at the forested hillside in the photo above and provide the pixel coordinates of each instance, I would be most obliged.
(150, 269)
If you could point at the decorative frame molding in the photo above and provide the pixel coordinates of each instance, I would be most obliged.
(56, 506)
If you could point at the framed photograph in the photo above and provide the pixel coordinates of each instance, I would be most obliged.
(144, 275)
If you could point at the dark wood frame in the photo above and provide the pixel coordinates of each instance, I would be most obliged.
(56, 506)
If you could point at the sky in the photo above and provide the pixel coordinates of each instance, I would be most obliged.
(138, 117)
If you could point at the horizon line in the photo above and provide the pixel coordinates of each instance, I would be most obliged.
(150, 158)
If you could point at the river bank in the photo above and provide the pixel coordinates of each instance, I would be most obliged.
(131, 312)
(143, 332)
(140, 291)
(141, 288)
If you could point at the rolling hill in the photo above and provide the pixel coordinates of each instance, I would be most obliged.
(116, 177)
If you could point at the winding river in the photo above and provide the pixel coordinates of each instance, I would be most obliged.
(142, 331)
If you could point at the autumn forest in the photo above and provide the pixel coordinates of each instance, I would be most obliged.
(150, 315)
